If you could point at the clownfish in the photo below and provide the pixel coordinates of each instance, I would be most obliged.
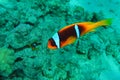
(70, 33)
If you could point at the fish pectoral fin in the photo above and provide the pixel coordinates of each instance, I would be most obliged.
(69, 41)
(92, 30)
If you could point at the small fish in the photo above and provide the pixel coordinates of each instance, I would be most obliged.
(34, 45)
(70, 33)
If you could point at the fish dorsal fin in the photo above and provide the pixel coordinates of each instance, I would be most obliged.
(68, 41)
(85, 23)
(66, 27)
(84, 26)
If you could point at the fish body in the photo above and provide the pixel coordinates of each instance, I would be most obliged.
(70, 33)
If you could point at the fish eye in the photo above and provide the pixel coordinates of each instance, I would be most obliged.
(34, 45)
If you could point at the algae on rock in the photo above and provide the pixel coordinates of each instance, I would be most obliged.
(6, 61)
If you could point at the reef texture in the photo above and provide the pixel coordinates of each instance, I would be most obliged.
(6, 61)
(26, 26)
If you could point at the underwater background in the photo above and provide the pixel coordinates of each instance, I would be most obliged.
(26, 26)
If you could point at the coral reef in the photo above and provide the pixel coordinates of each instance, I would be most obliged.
(26, 26)
(6, 61)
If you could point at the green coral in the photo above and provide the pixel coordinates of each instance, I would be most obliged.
(6, 61)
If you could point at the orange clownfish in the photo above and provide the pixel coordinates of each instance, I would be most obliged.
(70, 33)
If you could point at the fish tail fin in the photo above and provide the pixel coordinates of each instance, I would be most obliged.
(91, 27)
(105, 22)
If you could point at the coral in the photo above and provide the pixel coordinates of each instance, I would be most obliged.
(6, 61)
(2, 39)
(19, 36)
